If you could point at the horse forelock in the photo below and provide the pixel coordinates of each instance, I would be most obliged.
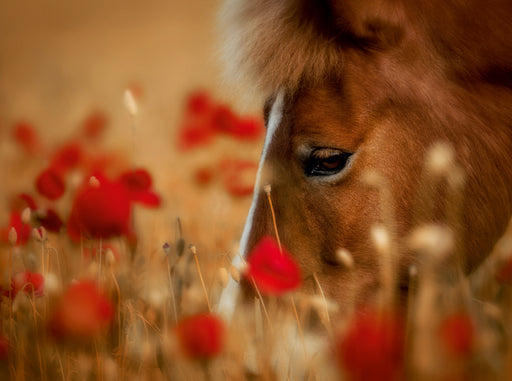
(271, 44)
(268, 44)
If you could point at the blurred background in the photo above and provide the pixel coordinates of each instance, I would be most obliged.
(60, 60)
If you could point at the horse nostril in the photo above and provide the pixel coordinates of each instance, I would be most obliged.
(340, 258)
(404, 294)
(331, 260)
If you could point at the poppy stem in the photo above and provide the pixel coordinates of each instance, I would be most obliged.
(171, 288)
(47, 252)
(59, 360)
(267, 188)
(262, 304)
(194, 251)
(56, 253)
(384, 237)
(19, 368)
(259, 295)
(118, 289)
(99, 374)
(257, 318)
(328, 323)
(299, 328)
(38, 344)
(42, 255)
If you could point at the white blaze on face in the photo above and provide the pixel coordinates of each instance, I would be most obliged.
(230, 294)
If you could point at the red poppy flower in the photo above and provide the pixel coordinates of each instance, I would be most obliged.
(372, 348)
(82, 312)
(99, 162)
(199, 103)
(22, 201)
(223, 119)
(238, 176)
(204, 118)
(201, 336)
(138, 183)
(67, 157)
(273, 271)
(94, 125)
(51, 221)
(136, 180)
(50, 184)
(204, 175)
(101, 212)
(23, 231)
(147, 198)
(247, 128)
(27, 282)
(194, 134)
(105, 211)
(26, 136)
(457, 334)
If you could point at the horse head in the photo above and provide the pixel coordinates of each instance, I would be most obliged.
(356, 88)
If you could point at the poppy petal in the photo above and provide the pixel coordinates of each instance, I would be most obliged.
(136, 180)
(372, 347)
(201, 336)
(82, 312)
(50, 184)
(274, 271)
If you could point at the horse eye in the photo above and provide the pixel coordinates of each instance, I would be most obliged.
(325, 162)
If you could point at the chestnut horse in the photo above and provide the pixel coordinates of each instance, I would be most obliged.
(359, 85)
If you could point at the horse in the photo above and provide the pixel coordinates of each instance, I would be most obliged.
(369, 86)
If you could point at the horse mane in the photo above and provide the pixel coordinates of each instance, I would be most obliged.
(278, 43)
(291, 43)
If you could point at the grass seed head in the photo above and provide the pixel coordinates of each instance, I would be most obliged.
(223, 277)
(235, 274)
(94, 182)
(38, 234)
(433, 240)
(26, 215)
(52, 285)
(130, 103)
(344, 258)
(110, 257)
(13, 236)
(440, 158)
(381, 238)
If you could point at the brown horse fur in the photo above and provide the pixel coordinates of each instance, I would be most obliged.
(384, 79)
